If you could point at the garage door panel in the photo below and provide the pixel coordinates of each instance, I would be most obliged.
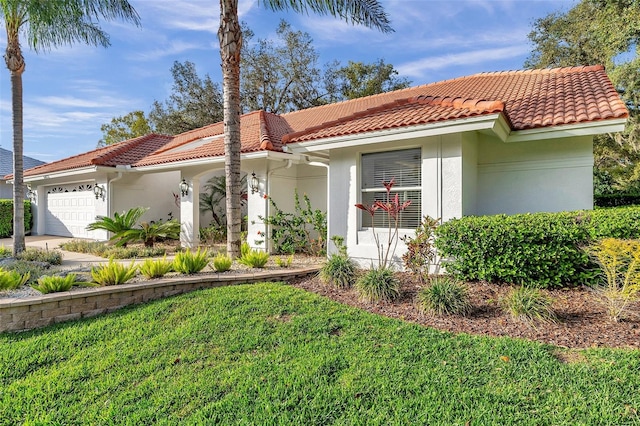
(69, 210)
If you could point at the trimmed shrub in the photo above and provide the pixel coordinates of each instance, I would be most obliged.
(445, 296)
(6, 217)
(616, 199)
(536, 250)
(52, 257)
(378, 284)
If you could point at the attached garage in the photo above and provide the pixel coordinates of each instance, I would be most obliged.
(69, 209)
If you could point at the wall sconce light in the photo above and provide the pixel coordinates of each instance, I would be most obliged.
(31, 194)
(184, 188)
(255, 183)
(98, 191)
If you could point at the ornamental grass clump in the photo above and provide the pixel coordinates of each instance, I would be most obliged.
(445, 296)
(619, 261)
(339, 270)
(10, 280)
(188, 262)
(222, 262)
(155, 268)
(113, 273)
(254, 259)
(529, 305)
(378, 284)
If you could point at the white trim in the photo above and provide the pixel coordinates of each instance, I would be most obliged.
(64, 173)
(517, 166)
(269, 155)
(484, 122)
(569, 130)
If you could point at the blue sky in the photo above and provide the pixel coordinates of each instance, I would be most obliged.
(70, 92)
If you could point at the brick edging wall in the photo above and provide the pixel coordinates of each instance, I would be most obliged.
(35, 312)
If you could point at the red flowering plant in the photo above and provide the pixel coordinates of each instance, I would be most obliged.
(392, 207)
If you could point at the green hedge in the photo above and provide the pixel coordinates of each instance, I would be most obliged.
(6, 217)
(616, 200)
(539, 249)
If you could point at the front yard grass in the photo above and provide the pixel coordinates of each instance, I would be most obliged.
(274, 354)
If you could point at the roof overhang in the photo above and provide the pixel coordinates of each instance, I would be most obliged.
(570, 130)
(218, 160)
(496, 123)
(65, 173)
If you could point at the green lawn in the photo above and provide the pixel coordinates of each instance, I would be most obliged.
(272, 354)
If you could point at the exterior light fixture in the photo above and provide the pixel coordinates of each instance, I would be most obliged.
(98, 191)
(184, 188)
(31, 194)
(255, 183)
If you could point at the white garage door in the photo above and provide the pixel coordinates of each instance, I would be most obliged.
(69, 210)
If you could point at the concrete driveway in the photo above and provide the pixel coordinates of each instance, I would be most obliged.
(70, 260)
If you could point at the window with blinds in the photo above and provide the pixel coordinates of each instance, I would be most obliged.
(404, 166)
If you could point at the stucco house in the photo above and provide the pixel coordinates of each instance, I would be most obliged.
(6, 168)
(500, 142)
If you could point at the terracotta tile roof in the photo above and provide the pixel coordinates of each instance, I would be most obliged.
(260, 131)
(400, 113)
(529, 99)
(122, 153)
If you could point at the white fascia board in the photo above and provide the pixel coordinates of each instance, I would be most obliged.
(65, 173)
(570, 130)
(214, 160)
(494, 122)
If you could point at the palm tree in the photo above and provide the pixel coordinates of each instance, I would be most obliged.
(47, 24)
(364, 12)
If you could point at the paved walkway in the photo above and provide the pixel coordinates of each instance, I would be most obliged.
(70, 260)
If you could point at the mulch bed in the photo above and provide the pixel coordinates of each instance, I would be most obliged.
(582, 317)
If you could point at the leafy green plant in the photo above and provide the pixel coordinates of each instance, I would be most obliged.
(85, 246)
(5, 252)
(10, 280)
(133, 252)
(529, 305)
(378, 284)
(254, 259)
(52, 257)
(120, 222)
(421, 252)
(445, 296)
(33, 269)
(619, 261)
(151, 268)
(339, 270)
(222, 262)
(244, 248)
(212, 200)
(303, 231)
(113, 273)
(212, 234)
(188, 262)
(150, 232)
(284, 262)
(6, 217)
(54, 283)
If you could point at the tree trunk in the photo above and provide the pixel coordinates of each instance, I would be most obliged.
(15, 63)
(230, 36)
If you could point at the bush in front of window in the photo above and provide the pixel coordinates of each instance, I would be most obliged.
(535, 250)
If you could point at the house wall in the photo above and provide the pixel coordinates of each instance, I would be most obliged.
(6, 190)
(536, 176)
(153, 190)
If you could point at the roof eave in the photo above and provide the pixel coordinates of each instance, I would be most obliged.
(211, 160)
(569, 130)
(495, 122)
(64, 173)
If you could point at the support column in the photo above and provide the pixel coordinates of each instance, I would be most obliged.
(190, 214)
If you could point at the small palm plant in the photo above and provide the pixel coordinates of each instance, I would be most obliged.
(150, 232)
(187, 262)
(151, 268)
(113, 273)
(120, 222)
(10, 280)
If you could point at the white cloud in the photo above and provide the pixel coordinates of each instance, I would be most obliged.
(419, 67)
(173, 48)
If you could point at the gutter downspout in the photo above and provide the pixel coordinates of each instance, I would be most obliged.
(110, 193)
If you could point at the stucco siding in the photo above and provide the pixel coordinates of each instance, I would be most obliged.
(537, 176)
(154, 190)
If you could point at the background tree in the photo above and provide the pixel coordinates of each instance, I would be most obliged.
(125, 127)
(358, 79)
(600, 32)
(194, 102)
(47, 24)
(280, 75)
